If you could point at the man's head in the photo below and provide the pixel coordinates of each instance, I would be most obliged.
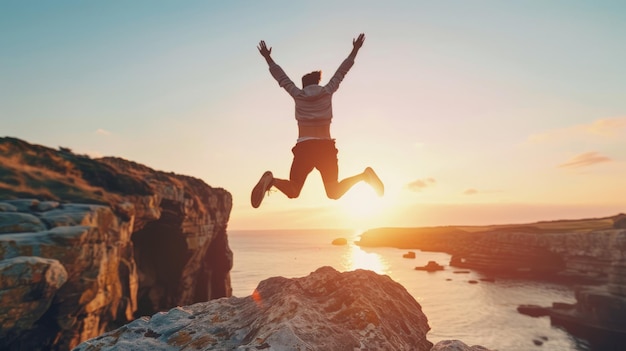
(312, 78)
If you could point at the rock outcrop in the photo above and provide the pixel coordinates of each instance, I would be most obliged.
(87, 245)
(27, 285)
(327, 310)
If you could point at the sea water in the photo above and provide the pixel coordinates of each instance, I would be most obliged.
(483, 312)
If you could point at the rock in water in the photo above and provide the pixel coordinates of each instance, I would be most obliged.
(410, 254)
(432, 266)
(327, 310)
(340, 241)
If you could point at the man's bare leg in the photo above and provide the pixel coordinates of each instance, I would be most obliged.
(287, 187)
(337, 189)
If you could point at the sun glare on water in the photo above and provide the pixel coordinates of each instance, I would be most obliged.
(357, 258)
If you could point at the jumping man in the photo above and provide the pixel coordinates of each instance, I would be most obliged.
(314, 148)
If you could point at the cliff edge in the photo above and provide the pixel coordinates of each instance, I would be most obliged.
(87, 245)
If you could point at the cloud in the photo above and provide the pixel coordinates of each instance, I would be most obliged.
(101, 131)
(472, 191)
(420, 184)
(604, 128)
(585, 160)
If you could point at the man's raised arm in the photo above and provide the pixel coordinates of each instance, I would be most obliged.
(333, 83)
(266, 53)
(356, 45)
(281, 77)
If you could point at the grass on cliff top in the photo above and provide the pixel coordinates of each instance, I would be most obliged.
(20, 180)
(35, 171)
(584, 225)
(573, 225)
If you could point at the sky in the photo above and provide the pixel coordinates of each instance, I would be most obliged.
(471, 112)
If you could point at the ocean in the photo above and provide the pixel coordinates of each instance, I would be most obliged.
(483, 313)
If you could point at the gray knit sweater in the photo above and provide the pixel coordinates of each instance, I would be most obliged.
(314, 102)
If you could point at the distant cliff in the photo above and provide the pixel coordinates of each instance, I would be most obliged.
(579, 250)
(589, 251)
(87, 245)
(326, 310)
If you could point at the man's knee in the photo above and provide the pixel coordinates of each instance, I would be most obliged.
(290, 188)
(333, 193)
(294, 193)
(333, 196)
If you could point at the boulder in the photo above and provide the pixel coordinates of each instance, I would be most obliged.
(28, 285)
(327, 310)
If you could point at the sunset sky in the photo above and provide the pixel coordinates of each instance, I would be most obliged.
(471, 112)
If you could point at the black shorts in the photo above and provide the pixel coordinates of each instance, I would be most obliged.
(314, 153)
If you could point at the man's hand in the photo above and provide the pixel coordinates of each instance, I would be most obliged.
(265, 52)
(356, 45)
(358, 42)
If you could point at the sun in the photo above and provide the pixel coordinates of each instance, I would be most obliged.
(361, 202)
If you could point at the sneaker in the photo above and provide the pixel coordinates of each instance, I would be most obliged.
(264, 185)
(372, 179)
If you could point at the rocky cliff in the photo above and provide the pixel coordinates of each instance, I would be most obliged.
(578, 250)
(326, 310)
(587, 252)
(87, 245)
(594, 259)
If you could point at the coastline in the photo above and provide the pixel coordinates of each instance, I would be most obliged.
(455, 308)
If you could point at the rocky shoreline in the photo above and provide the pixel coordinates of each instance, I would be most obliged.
(588, 255)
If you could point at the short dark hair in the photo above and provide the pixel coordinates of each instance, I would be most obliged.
(312, 78)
